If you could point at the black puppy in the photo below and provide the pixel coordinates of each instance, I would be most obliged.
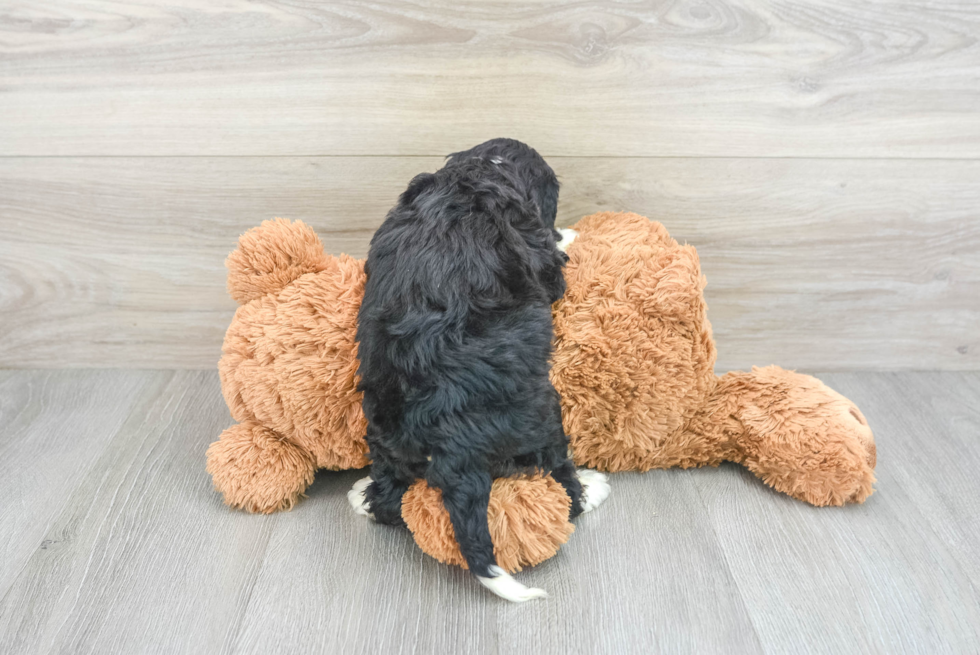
(455, 340)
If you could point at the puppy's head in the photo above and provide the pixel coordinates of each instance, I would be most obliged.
(530, 168)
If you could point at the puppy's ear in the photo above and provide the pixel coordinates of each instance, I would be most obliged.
(546, 197)
(419, 183)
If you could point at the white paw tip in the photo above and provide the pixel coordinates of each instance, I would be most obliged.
(595, 488)
(567, 236)
(505, 586)
(357, 497)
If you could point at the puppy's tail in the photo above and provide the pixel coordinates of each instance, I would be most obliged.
(466, 495)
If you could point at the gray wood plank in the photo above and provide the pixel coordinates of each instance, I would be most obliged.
(872, 578)
(143, 557)
(53, 427)
(811, 263)
(139, 555)
(148, 560)
(642, 574)
(937, 449)
(726, 77)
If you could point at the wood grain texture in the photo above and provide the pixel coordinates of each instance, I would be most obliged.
(847, 264)
(603, 597)
(897, 574)
(54, 425)
(821, 78)
(142, 556)
(139, 554)
(943, 428)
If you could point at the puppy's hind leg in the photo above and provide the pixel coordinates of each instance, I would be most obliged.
(595, 488)
(379, 496)
(587, 488)
(466, 494)
(565, 474)
(357, 497)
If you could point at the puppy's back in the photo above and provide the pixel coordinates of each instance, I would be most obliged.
(450, 276)
(454, 341)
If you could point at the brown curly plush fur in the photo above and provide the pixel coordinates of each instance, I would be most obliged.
(634, 356)
(258, 470)
(797, 434)
(528, 520)
(289, 364)
(634, 361)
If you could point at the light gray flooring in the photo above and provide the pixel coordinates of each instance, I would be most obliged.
(112, 541)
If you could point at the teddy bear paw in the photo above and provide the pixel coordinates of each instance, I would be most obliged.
(595, 488)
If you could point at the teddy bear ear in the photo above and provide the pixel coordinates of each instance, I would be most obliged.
(271, 256)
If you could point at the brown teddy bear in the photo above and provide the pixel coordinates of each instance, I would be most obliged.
(634, 363)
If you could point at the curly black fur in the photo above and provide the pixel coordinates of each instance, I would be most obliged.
(455, 338)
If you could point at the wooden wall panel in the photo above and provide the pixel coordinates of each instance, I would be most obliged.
(820, 78)
(811, 263)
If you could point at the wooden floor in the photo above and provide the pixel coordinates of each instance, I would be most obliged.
(112, 541)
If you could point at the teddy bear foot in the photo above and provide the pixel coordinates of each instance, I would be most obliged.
(255, 469)
(803, 438)
(842, 483)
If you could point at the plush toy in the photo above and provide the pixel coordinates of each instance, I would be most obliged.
(633, 361)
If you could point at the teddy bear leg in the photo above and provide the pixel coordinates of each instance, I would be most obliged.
(257, 470)
(803, 438)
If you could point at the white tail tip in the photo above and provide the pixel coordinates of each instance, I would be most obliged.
(505, 586)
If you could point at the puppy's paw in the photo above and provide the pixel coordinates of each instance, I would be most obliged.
(595, 488)
(501, 583)
(567, 236)
(358, 498)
